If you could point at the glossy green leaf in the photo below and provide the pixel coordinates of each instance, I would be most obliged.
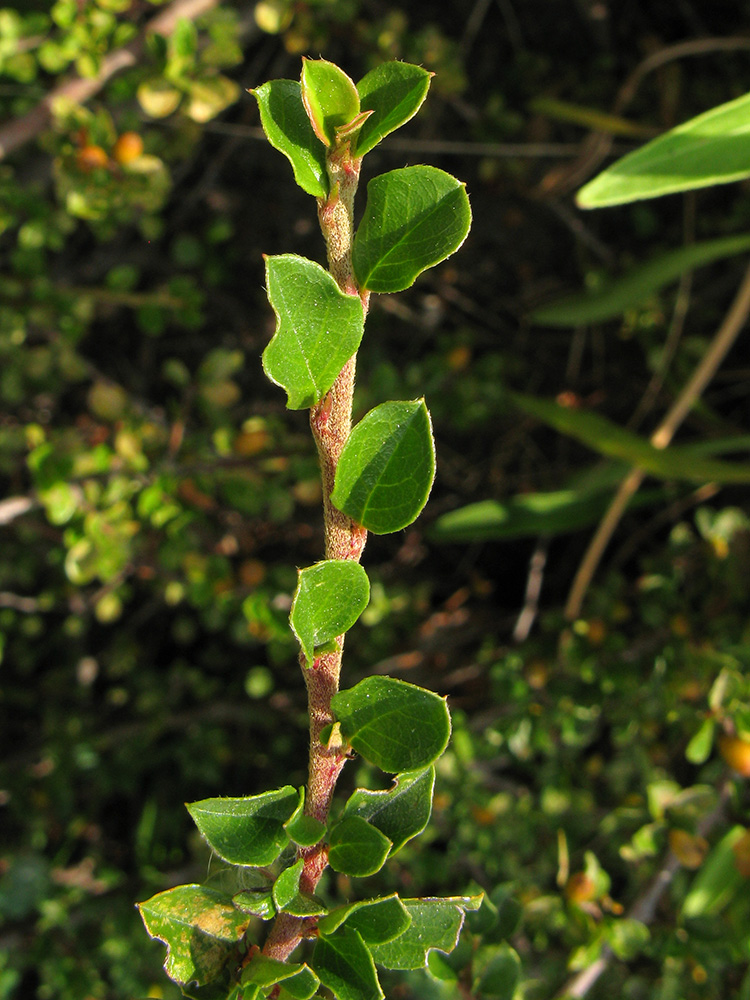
(318, 329)
(414, 218)
(329, 96)
(246, 831)
(394, 92)
(718, 880)
(634, 287)
(330, 597)
(376, 920)
(199, 926)
(344, 964)
(387, 466)
(395, 725)
(286, 886)
(435, 923)
(499, 973)
(679, 462)
(713, 148)
(357, 848)
(288, 129)
(699, 748)
(258, 902)
(402, 811)
(304, 830)
(298, 979)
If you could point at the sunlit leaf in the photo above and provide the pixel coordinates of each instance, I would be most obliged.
(329, 96)
(718, 880)
(288, 129)
(330, 597)
(344, 964)
(435, 923)
(356, 847)
(298, 979)
(402, 811)
(394, 92)
(246, 831)
(376, 920)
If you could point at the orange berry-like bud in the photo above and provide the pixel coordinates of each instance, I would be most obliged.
(736, 752)
(91, 158)
(128, 147)
(580, 888)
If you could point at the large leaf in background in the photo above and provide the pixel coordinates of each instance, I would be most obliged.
(435, 923)
(713, 148)
(330, 597)
(199, 926)
(329, 97)
(344, 964)
(530, 515)
(717, 880)
(357, 848)
(318, 328)
(376, 920)
(298, 980)
(395, 725)
(679, 462)
(288, 129)
(246, 831)
(402, 811)
(394, 92)
(415, 217)
(637, 284)
(386, 468)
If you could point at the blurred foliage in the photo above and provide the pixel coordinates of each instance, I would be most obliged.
(156, 500)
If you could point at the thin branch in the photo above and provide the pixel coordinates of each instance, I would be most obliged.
(725, 337)
(19, 131)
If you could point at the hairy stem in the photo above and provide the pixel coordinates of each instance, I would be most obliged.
(330, 422)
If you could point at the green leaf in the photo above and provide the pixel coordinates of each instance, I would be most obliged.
(246, 831)
(288, 129)
(344, 964)
(299, 980)
(376, 920)
(395, 725)
(258, 902)
(634, 287)
(330, 597)
(435, 923)
(500, 971)
(357, 848)
(402, 811)
(288, 898)
(699, 748)
(718, 879)
(386, 468)
(713, 148)
(414, 218)
(304, 830)
(680, 462)
(329, 96)
(394, 92)
(200, 928)
(318, 329)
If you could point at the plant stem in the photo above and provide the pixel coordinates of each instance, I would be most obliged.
(330, 422)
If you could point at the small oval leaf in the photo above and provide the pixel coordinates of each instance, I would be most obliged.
(357, 848)
(393, 92)
(329, 96)
(318, 329)
(330, 597)
(402, 811)
(246, 831)
(386, 468)
(415, 217)
(288, 129)
(395, 725)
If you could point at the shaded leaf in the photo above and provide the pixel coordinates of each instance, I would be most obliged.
(638, 284)
(246, 831)
(386, 468)
(344, 964)
(713, 148)
(402, 811)
(318, 329)
(200, 928)
(395, 725)
(299, 980)
(376, 920)
(258, 902)
(718, 880)
(330, 597)
(286, 886)
(288, 129)
(500, 971)
(357, 848)
(304, 830)
(394, 92)
(435, 923)
(329, 96)
(414, 218)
